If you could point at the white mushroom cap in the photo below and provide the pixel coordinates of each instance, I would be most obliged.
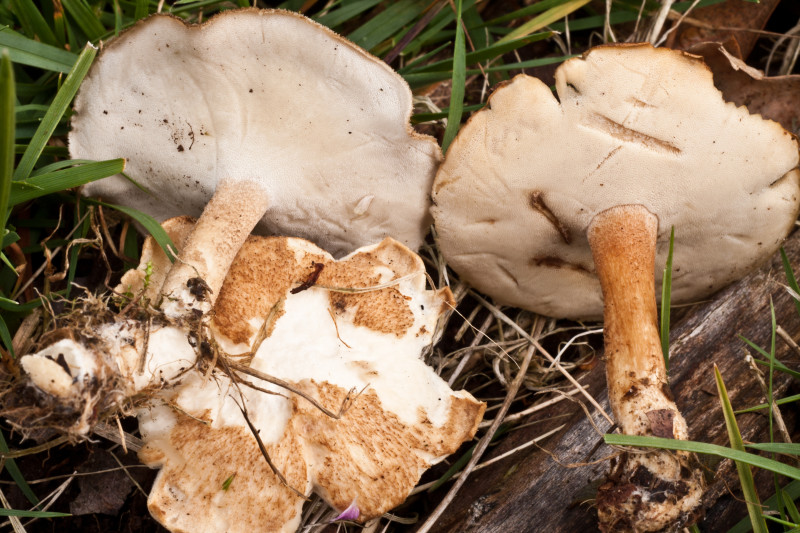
(265, 97)
(635, 125)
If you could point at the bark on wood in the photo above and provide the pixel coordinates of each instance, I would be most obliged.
(545, 491)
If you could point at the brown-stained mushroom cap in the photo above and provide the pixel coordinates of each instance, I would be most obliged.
(266, 99)
(634, 125)
(328, 327)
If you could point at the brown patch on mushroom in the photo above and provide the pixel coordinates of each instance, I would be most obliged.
(197, 459)
(380, 470)
(536, 202)
(252, 290)
(556, 262)
(661, 422)
(385, 310)
(622, 133)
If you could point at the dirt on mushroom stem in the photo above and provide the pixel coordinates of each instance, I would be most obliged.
(104, 394)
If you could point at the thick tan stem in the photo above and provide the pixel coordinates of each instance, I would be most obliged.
(226, 222)
(623, 241)
(657, 490)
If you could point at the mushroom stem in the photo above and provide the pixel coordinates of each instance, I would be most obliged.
(658, 489)
(226, 222)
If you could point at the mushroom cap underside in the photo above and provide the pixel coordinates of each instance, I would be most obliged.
(635, 125)
(352, 327)
(266, 96)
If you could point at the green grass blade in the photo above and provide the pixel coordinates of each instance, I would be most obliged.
(64, 179)
(57, 109)
(779, 521)
(771, 401)
(26, 51)
(85, 226)
(458, 84)
(488, 53)
(33, 22)
(345, 12)
(776, 447)
(426, 78)
(532, 9)
(6, 261)
(790, 278)
(7, 135)
(142, 9)
(58, 151)
(597, 21)
(771, 361)
(131, 249)
(548, 17)
(16, 475)
(745, 474)
(148, 222)
(421, 60)
(9, 238)
(16, 307)
(32, 514)
(433, 34)
(782, 401)
(58, 165)
(666, 293)
(702, 447)
(117, 18)
(5, 336)
(86, 19)
(789, 492)
(386, 23)
(791, 508)
(780, 367)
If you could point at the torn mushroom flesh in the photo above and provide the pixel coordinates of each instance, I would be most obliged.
(350, 339)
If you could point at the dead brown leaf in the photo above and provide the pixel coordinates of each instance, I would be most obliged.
(104, 492)
(776, 98)
(722, 22)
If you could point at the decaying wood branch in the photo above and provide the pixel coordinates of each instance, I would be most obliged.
(536, 493)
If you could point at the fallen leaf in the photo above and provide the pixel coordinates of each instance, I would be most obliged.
(104, 492)
(776, 98)
(724, 21)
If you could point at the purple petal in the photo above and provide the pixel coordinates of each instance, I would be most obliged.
(351, 513)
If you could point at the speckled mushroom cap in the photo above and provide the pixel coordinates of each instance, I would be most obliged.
(258, 96)
(362, 325)
(632, 125)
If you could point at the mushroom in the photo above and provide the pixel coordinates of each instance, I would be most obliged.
(565, 208)
(284, 122)
(345, 334)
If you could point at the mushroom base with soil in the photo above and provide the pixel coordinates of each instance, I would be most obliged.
(656, 490)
